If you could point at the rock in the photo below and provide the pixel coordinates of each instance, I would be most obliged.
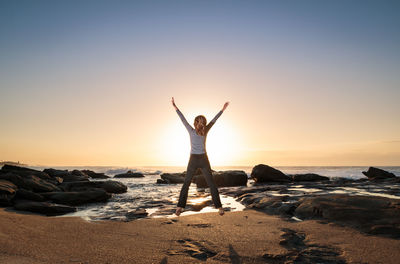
(173, 177)
(76, 198)
(265, 173)
(23, 194)
(37, 184)
(26, 172)
(361, 212)
(7, 192)
(308, 177)
(14, 178)
(109, 186)
(223, 179)
(30, 182)
(49, 209)
(129, 174)
(378, 174)
(138, 213)
(75, 177)
(112, 186)
(198, 206)
(56, 173)
(161, 181)
(95, 175)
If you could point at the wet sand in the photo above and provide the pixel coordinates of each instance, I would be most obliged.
(245, 236)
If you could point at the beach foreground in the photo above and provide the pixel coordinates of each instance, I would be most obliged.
(245, 236)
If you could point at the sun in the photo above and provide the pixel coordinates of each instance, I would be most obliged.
(222, 145)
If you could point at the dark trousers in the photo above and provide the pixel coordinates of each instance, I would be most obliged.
(199, 161)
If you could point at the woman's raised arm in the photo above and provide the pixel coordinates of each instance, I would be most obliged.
(212, 122)
(182, 117)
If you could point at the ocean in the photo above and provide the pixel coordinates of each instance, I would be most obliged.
(159, 200)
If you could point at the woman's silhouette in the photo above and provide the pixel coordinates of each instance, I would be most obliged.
(198, 158)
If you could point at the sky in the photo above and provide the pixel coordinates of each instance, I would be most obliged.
(309, 82)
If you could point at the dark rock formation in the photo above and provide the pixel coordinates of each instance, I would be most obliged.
(308, 177)
(378, 174)
(95, 175)
(7, 192)
(77, 198)
(138, 213)
(129, 174)
(371, 214)
(23, 194)
(22, 171)
(29, 182)
(223, 179)
(173, 177)
(109, 186)
(265, 173)
(49, 209)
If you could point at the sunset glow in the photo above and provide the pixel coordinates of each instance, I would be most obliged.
(90, 84)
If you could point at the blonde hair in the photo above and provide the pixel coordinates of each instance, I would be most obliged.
(200, 125)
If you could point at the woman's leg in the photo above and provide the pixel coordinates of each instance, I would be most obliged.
(206, 169)
(191, 169)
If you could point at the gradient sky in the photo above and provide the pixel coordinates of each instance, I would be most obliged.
(309, 82)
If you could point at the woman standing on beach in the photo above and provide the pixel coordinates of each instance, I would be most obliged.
(198, 158)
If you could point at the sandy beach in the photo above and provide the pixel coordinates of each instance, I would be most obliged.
(247, 236)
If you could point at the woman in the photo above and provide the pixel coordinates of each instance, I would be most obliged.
(198, 158)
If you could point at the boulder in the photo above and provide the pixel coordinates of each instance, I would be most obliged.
(77, 198)
(129, 174)
(56, 173)
(378, 174)
(23, 194)
(265, 173)
(22, 171)
(95, 175)
(223, 179)
(161, 181)
(173, 177)
(368, 213)
(137, 213)
(109, 186)
(75, 176)
(49, 209)
(308, 177)
(37, 184)
(29, 182)
(7, 192)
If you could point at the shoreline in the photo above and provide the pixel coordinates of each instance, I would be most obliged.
(242, 236)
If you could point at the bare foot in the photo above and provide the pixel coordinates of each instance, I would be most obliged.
(221, 211)
(178, 211)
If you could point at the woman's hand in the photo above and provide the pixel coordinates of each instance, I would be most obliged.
(173, 104)
(225, 106)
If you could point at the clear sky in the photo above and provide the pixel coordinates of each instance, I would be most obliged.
(309, 82)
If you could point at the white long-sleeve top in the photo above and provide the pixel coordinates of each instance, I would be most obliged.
(197, 142)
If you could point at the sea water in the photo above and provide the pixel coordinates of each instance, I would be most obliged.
(159, 200)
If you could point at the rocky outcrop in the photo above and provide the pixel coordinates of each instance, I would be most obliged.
(109, 186)
(371, 214)
(77, 198)
(67, 176)
(29, 182)
(129, 174)
(46, 208)
(265, 173)
(378, 174)
(95, 175)
(308, 177)
(23, 194)
(32, 190)
(223, 179)
(173, 177)
(7, 192)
